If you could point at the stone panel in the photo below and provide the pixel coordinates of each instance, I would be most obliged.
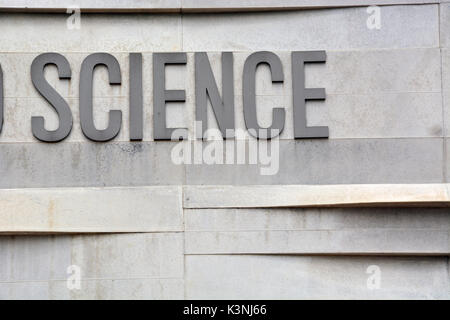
(105, 289)
(402, 27)
(273, 219)
(97, 33)
(339, 161)
(91, 210)
(444, 9)
(325, 242)
(146, 255)
(88, 164)
(401, 99)
(303, 277)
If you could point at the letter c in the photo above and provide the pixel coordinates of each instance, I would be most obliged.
(86, 108)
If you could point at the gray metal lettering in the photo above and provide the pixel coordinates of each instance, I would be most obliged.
(54, 98)
(302, 94)
(206, 86)
(248, 86)
(86, 108)
(136, 103)
(161, 95)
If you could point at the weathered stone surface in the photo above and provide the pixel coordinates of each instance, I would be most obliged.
(364, 231)
(359, 104)
(302, 277)
(236, 5)
(399, 115)
(191, 5)
(125, 5)
(446, 89)
(88, 164)
(447, 163)
(402, 26)
(120, 289)
(272, 219)
(328, 242)
(106, 289)
(125, 256)
(19, 111)
(24, 290)
(444, 10)
(339, 161)
(49, 33)
(91, 210)
(17, 77)
(267, 196)
(386, 108)
(115, 256)
(34, 258)
(353, 72)
(300, 162)
(380, 115)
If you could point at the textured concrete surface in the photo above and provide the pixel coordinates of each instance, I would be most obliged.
(112, 266)
(150, 265)
(359, 104)
(299, 277)
(322, 196)
(146, 209)
(360, 231)
(404, 26)
(146, 255)
(327, 242)
(190, 5)
(160, 208)
(445, 24)
(340, 161)
(275, 219)
(301, 162)
(88, 164)
(162, 33)
(387, 109)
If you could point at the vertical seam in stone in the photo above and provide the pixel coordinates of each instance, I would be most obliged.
(184, 240)
(444, 133)
(182, 32)
(184, 176)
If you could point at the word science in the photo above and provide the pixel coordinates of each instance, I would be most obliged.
(221, 99)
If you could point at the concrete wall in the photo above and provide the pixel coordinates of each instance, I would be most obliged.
(139, 226)
(190, 5)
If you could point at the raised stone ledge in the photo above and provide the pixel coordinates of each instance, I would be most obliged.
(160, 208)
(91, 210)
(349, 195)
(176, 6)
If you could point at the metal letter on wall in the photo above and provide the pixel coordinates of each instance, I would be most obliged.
(301, 94)
(249, 97)
(136, 103)
(86, 108)
(49, 93)
(205, 86)
(1, 99)
(161, 95)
